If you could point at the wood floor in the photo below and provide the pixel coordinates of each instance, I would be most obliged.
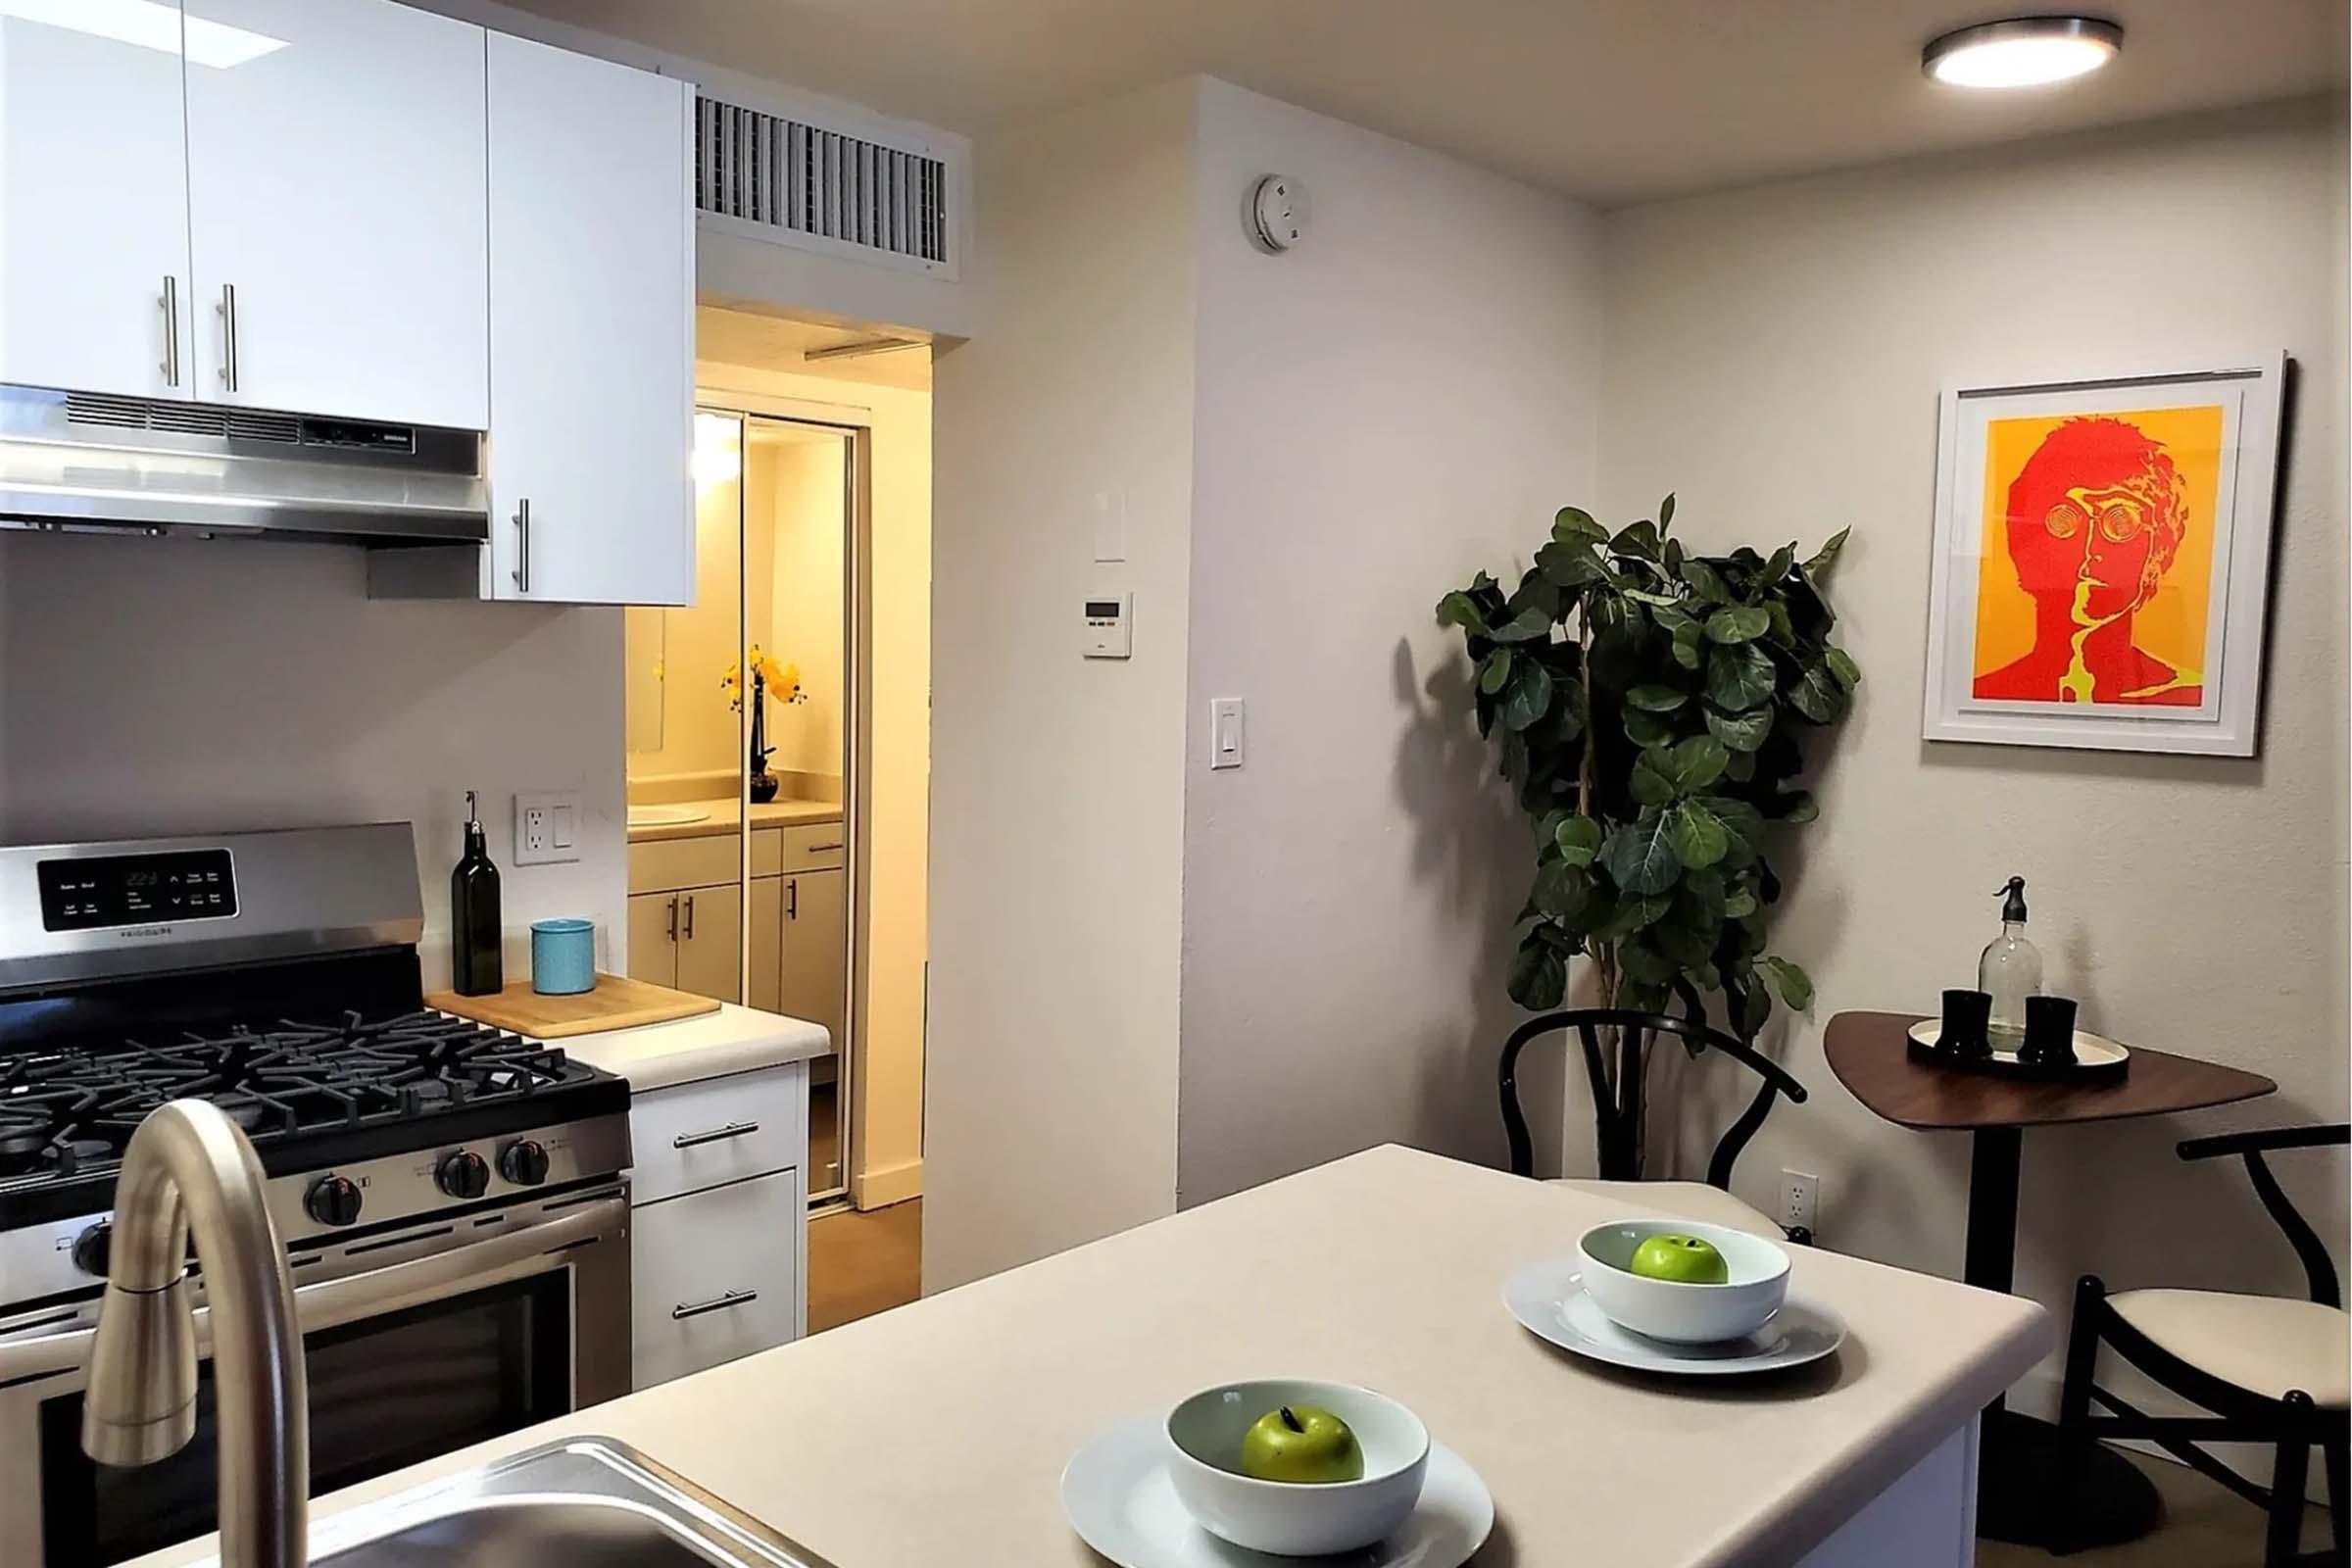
(2204, 1526)
(863, 1263)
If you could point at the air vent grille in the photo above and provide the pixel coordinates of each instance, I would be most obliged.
(802, 180)
(182, 419)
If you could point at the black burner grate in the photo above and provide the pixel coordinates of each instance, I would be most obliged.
(70, 1111)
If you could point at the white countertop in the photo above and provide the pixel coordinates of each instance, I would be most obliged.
(686, 1050)
(936, 1433)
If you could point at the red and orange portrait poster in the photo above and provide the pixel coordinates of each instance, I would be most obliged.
(2095, 583)
(2102, 555)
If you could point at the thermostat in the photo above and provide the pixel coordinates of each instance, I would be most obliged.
(1110, 627)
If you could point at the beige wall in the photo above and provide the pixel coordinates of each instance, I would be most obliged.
(165, 686)
(1774, 357)
(696, 730)
(1058, 839)
(798, 532)
(1401, 400)
(891, 971)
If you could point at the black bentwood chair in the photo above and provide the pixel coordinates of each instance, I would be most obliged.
(2272, 1369)
(1617, 1107)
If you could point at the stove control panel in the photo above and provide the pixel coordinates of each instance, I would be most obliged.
(160, 888)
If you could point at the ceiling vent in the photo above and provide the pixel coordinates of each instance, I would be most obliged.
(775, 178)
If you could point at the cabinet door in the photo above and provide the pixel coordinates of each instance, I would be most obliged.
(591, 330)
(711, 943)
(816, 978)
(338, 186)
(715, 1275)
(763, 987)
(94, 207)
(653, 938)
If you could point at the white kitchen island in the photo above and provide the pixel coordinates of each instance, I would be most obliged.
(936, 1434)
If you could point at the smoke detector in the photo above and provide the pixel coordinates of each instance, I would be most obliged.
(1275, 214)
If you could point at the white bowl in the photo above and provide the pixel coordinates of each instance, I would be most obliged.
(1674, 1311)
(1294, 1519)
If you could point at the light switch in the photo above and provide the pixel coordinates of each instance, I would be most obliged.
(1228, 731)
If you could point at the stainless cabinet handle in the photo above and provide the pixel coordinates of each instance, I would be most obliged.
(791, 899)
(228, 335)
(717, 1303)
(171, 303)
(689, 917)
(733, 1129)
(673, 917)
(523, 545)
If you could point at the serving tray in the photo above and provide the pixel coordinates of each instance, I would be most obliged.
(2097, 1059)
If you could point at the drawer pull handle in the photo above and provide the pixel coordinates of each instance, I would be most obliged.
(717, 1303)
(733, 1129)
(819, 849)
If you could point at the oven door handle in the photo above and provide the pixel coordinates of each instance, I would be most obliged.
(492, 1260)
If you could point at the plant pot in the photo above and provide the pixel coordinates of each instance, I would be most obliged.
(763, 787)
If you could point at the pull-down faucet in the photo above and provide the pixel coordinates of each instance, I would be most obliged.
(189, 1168)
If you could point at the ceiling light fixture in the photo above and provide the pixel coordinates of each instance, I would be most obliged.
(2023, 52)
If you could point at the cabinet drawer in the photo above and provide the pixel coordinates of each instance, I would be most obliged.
(816, 845)
(665, 864)
(696, 1136)
(714, 1276)
(767, 850)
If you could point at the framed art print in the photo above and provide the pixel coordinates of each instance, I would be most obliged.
(2102, 561)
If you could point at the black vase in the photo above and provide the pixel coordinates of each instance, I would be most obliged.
(763, 783)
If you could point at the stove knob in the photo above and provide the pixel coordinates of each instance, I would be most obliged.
(333, 1201)
(463, 1174)
(524, 1163)
(91, 1251)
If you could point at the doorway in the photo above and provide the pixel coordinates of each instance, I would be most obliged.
(812, 508)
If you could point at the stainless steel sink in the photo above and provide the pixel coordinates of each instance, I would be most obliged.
(592, 1503)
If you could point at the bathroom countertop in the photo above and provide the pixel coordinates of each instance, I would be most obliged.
(723, 819)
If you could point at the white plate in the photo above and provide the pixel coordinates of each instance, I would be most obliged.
(1118, 1497)
(1550, 1300)
(2090, 1051)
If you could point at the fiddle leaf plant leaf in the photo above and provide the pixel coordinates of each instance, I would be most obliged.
(1639, 857)
(1739, 675)
(1579, 841)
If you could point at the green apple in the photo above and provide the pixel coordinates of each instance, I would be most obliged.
(1684, 1259)
(1301, 1444)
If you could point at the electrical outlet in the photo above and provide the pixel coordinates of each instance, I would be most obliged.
(1801, 1201)
(547, 827)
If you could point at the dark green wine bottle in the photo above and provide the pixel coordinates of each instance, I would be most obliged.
(477, 968)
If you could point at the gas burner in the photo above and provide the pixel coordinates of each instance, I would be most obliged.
(71, 1111)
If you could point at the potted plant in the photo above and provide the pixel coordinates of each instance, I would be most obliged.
(1651, 706)
(768, 679)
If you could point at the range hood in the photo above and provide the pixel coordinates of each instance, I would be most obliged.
(84, 462)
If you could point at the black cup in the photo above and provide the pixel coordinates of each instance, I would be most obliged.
(1966, 1015)
(2049, 1031)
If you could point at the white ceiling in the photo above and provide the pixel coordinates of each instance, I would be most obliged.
(1609, 100)
(723, 337)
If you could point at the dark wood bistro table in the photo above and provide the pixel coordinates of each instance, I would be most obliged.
(2019, 1456)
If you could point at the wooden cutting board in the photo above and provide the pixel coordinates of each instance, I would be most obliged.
(614, 1003)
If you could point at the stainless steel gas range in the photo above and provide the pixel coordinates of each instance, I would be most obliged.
(453, 1200)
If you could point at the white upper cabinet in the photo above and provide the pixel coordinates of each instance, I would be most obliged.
(337, 209)
(591, 330)
(93, 208)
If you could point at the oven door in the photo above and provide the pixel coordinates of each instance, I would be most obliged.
(415, 1345)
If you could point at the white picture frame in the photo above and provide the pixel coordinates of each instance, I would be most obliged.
(2215, 714)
